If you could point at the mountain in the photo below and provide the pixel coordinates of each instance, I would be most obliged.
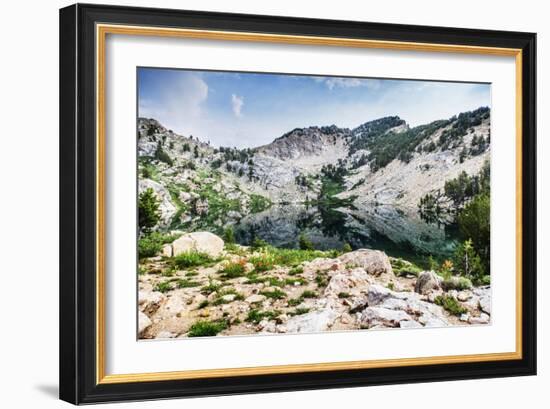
(380, 162)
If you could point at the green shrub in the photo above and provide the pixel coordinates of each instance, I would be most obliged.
(263, 262)
(163, 287)
(299, 311)
(148, 210)
(207, 328)
(203, 304)
(210, 288)
(474, 224)
(149, 245)
(457, 283)
(296, 270)
(229, 235)
(162, 156)
(185, 283)
(309, 294)
(467, 260)
(485, 280)
(450, 304)
(402, 267)
(274, 294)
(343, 295)
(255, 316)
(294, 280)
(192, 259)
(346, 248)
(233, 270)
(304, 243)
(258, 244)
(295, 301)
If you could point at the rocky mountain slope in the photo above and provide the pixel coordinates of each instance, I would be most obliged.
(381, 162)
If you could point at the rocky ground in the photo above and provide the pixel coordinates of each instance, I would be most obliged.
(203, 287)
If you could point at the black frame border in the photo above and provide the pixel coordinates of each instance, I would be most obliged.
(78, 210)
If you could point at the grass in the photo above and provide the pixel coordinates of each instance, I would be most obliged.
(273, 281)
(185, 283)
(306, 294)
(294, 280)
(295, 301)
(299, 311)
(203, 304)
(193, 259)
(296, 270)
(234, 270)
(274, 294)
(450, 304)
(263, 262)
(271, 256)
(163, 287)
(151, 244)
(210, 288)
(227, 291)
(343, 295)
(401, 267)
(309, 294)
(321, 279)
(207, 328)
(457, 283)
(255, 316)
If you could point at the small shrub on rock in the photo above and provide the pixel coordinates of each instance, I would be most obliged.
(450, 304)
(207, 328)
(192, 259)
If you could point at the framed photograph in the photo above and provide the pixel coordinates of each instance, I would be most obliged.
(258, 203)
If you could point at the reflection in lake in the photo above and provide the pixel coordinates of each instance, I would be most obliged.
(398, 232)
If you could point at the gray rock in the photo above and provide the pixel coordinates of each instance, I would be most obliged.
(348, 281)
(482, 319)
(143, 322)
(427, 281)
(373, 316)
(410, 324)
(374, 262)
(314, 321)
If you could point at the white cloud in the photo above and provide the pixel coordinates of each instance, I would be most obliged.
(237, 104)
(178, 103)
(339, 82)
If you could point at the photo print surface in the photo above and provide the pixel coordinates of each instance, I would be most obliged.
(284, 204)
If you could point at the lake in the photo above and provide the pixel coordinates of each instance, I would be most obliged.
(398, 232)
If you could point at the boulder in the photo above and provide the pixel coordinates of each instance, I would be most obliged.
(373, 316)
(348, 281)
(314, 321)
(143, 322)
(482, 319)
(424, 312)
(427, 281)
(150, 301)
(203, 242)
(374, 262)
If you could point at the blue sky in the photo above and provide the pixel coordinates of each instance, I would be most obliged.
(249, 109)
